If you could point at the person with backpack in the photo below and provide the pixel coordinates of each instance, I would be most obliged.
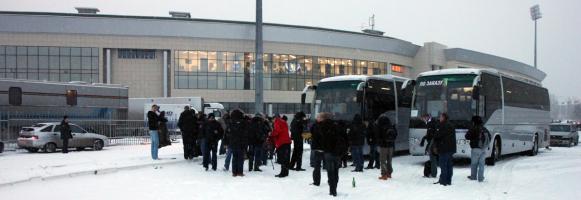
(431, 166)
(334, 145)
(323, 123)
(386, 134)
(479, 138)
(297, 126)
(237, 141)
(281, 139)
(213, 132)
(445, 140)
(356, 134)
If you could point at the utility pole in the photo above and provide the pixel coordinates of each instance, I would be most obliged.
(258, 70)
(535, 15)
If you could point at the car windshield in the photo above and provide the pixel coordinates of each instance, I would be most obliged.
(560, 128)
(38, 125)
(339, 98)
(450, 94)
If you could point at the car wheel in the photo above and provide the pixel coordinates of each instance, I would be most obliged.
(535, 150)
(98, 145)
(496, 152)
(32, 150)
(49, 148)
(570, 143)
(1, 147)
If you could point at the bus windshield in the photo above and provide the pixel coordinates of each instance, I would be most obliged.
(338, 98)
(561, 128)
(451, 94)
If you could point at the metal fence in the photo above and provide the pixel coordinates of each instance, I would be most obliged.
(119, 132)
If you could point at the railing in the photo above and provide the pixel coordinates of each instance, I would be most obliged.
(119, 132)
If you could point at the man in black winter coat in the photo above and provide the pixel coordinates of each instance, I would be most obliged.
(373, 153)
(66, 134)
(386, 134)
(431, 150)
(188, 127)
(257, 134)
(213, 132)
(356, 133)
(445, 140)
(297, 127)
(237, 134)
(332, 143)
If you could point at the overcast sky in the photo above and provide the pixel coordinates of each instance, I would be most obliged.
(499, 27)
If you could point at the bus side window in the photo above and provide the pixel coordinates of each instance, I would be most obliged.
(490, 95)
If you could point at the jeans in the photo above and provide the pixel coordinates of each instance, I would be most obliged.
(477, 163)
(228, 158)
(154, 136)
(434, 165)
(297, 157)
(357, 153)
(237, 160)
(255, 156)
(283, 154)
(446, 168)
(373, 157)
(318, 157)
(333, 163)
(209, 150)
(385, 157)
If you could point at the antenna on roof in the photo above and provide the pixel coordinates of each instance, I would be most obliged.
(371, 23)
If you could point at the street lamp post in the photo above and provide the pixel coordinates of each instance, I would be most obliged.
(258, 87)
(535, 15)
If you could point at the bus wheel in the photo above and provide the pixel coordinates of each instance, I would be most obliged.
(535, 150)
(496, 152)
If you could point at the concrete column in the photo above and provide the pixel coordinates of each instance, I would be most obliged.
(108, 66)
(165, 74)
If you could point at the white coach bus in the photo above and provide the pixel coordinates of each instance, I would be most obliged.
(515, 110)
(368, 96)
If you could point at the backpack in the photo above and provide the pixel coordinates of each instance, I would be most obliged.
(484, 140)
(391, 133)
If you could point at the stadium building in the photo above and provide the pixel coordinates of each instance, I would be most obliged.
(179, 56)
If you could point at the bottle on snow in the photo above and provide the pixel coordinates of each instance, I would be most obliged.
(353, 182)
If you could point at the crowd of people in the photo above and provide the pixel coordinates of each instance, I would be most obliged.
(259, 138)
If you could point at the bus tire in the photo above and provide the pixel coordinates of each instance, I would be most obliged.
(496, 152)
(535, 150)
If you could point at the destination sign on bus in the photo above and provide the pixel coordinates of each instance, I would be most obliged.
(431, 83)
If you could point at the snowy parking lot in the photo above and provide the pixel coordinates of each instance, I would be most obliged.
(126, 172)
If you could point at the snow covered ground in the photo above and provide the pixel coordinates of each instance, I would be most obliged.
(553, 174)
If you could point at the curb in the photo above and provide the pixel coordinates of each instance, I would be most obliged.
(88, 172)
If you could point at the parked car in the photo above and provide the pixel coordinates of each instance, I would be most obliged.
(564, 134)
(46, 137)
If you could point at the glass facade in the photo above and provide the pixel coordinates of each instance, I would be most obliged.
(235, 70)
(62, 64)
(281, 108)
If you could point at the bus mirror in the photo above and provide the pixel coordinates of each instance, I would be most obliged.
(361, 86)
(476, 93)
(408, 84)
(303, 98)
(359, 96)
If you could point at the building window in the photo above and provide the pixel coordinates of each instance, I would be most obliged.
(71, 97)
(436, 67)
(61, 64)
(15, 96)
(285, 72)
(397, 68)
(136, 54)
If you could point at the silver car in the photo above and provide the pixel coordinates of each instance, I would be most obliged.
(564, 134)
(47, 137)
